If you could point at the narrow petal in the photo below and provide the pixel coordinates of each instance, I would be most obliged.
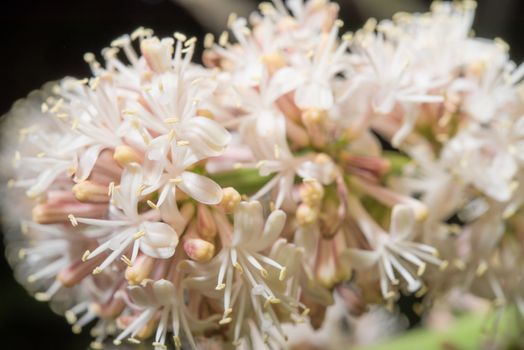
(359, 259)
(249, 222)
(200, 188)
(159, 241)
(402, 222)
(272, 229)
(87, 161)
(314, 95)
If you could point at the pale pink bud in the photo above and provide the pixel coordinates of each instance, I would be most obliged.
(198, 249)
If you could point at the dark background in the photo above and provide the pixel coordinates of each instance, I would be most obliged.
(45, 40)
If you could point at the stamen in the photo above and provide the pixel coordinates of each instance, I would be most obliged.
(209, 40)
(73, 220)
(225, 321)
(85, 256)
(190, 42)
(172, 120)
(223, 39)
(180, 37)
(176, 180)
(139, 235)
(126, 260)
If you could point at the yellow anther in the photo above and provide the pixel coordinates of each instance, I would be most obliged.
(139, 235)
(72, 218)
(224, 37)
(85, 256)
(209, 40)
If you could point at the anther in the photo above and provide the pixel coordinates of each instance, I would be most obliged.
(72, 218)
(180, 37)
(209, 40)
(85, 256)
(224, 37)
(139, 235)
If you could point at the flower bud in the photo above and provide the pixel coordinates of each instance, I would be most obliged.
(139, 270)
(88, 191)
(230, 200)
(198, 249)
(61, 205)
(125, 154)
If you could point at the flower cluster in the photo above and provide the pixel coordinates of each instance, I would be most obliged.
(218, 203)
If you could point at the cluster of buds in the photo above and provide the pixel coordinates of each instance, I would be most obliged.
(224, 203)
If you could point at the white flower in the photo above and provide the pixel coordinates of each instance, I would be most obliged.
(394, 252)
(127, 227)
(242, 269)
(312, 77)
(47, 151)
(166, 301)
(481, 157)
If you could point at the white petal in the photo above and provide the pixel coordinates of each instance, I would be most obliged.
(283, 81)
(200, 188)
(139, 296)
(248, 222)
(157, 149)
(402, 222)
(360, 259)
(44, 180)
(159, 241)
(164, 291)
(324, 172)
(272, 229)
(87, 161)
(208, 132)
(314, 95)
(169, 209)
(270, 124)
(384, 101)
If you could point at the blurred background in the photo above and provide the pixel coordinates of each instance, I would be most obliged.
(45, 40)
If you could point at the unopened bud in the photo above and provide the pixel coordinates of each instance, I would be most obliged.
(198, 249)
(140, 270)
(125, 154)
(62, 208)
(88, 191)
(230, 200)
